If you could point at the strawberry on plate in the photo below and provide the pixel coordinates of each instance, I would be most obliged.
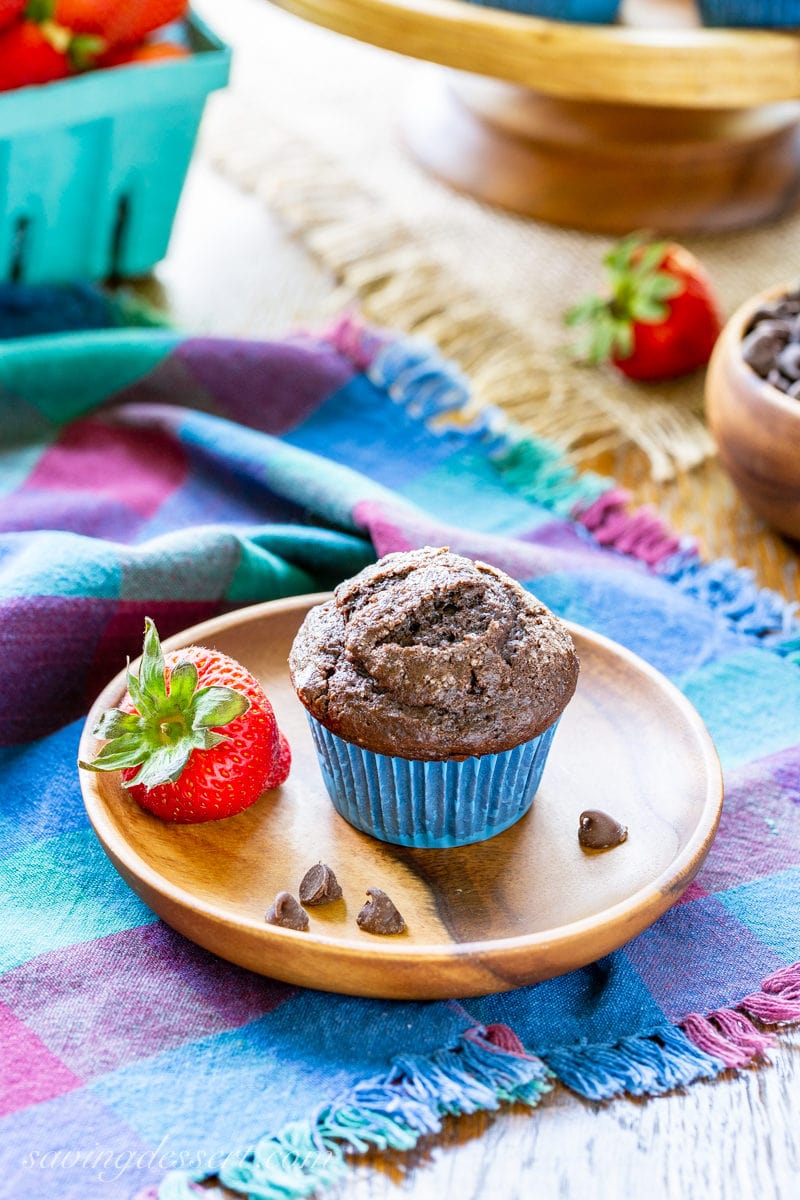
(195, 736)
(660, 318)
(28, 56)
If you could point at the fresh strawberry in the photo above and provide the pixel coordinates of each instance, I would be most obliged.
(661, 318)
(27, 56)
(146, 52)
(118, 22)
(10, 10)
(195, 736)
(281, 762)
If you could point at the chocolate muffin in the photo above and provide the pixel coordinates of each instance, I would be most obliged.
(427, 657)
(430, 655)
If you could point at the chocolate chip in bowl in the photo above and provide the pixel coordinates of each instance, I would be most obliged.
(753, 404)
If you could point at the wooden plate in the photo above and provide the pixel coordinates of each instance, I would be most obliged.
(524, 906)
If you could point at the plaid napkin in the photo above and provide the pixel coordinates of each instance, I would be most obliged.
(144, 472)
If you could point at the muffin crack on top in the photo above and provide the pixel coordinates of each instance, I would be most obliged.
(430, 655)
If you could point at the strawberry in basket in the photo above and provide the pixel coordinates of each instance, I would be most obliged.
(42, 41)
(28, 56)
(116, 22)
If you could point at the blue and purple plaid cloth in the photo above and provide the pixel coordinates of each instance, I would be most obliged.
(144, 472)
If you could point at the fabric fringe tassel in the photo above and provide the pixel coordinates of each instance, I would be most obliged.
(486, 1067)
(727, 1035)
(381, 264)
(778, 1002)
(731, 1035)
(489, 1066)
(733, 592)
(639, 1066)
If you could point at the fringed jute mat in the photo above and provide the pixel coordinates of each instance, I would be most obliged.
(311, 126)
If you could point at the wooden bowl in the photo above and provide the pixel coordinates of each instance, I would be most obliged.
(755, 425)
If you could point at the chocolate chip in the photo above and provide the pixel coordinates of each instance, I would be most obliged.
(765, 312)
(778, 380)
(598, 831)
(286, 912)
(319, 885)
(788, 361)
(761, 347)
(379, 915)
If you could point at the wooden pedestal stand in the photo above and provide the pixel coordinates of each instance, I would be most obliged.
(609, 168)
(652, 123)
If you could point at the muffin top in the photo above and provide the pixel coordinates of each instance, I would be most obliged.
(430, 655)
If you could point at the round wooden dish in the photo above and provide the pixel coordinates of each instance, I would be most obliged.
(755, 425)
(654, 122)
(524, 906)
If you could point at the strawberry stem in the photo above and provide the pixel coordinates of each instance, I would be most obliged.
(40, 10)
(174, 717)
(638, 292)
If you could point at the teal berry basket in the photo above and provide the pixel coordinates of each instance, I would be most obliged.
(591, 12)
(93, 166)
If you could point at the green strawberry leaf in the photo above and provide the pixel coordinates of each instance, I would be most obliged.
(115, 722)
(134, 691)
(624, 340)
(163, 765)
(39, 10)
(121, 752)
(650, 258)
(663, 286)
(152, 678)
(211, 739)
(182, 684)
(650, 312)
(587, 309)
(217, 706)
(85, 49)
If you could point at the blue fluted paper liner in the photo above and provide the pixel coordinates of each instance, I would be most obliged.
(410, 802)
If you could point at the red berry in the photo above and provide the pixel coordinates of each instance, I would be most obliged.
(10, 11)
(146, 52)
(195, 737)
(661, 319)
(27, 57)
(281, 762)
(118, 22)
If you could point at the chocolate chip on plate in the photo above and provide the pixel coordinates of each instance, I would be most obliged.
(598, 831)
(286, 912)
(379, 915)
(319, 885)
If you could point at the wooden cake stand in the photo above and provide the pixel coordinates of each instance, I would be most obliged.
(654, 122)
